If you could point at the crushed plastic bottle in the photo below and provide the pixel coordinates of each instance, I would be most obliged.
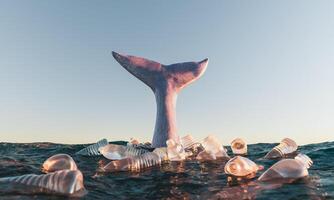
(212, 145)
(93, 150)
(59, 162)
(118, 152)
(133, 141)
(284, 149)
(239, 166)
(204, 156)
(191, 147)
(135, 163)
(239, 146)
(288, 169)
(187, 141)
(175, 151)
(64, 182)
(146, 145)
(162, 153)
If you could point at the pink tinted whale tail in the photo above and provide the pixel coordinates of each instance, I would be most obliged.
(166, 81)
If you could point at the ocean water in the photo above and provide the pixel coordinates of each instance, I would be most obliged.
(175, 180)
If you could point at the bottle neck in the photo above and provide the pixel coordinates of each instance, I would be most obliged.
(307, 162)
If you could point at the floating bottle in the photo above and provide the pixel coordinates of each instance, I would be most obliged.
(187, 141)
(191, 147)
(204, 156)
(118, 152)
(93, 150)
(59, 162)
(288, 169)
(211, 144)
(239, 146)
(162, 153)
(284, 149)
(175, 151)
(133, 141)
(135, 163)
(64, 182)
(305, 160)
(239, 166)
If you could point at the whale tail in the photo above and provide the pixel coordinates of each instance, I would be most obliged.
(154, 74)
(166, 81)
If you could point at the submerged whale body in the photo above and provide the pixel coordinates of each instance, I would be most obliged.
(64, 182)
(166, 81)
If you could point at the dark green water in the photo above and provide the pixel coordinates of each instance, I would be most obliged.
(189, 179)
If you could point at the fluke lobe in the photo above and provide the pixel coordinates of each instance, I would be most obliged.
(166, 81)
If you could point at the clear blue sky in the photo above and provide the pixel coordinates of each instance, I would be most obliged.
(270, 75)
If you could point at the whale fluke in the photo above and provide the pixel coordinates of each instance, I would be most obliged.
(166, 81)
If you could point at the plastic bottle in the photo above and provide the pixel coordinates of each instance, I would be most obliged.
(239, 146)
(118, 152)
(175, 151)
(133, 141)
(93, 150)
(162, 153)
(285, 148)
(212, 145)
(239, 166)
(59, 162)
(145, 145)
(288, 169)
(135, 163)
(187, 141)
(64, 182)
(204, 156)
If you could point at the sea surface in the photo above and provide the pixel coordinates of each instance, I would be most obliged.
(175, 180)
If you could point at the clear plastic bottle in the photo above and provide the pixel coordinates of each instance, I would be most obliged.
(118, 152)
(145, 145)
(187, 141)
(239, 166)
(204, 156)
(175, 151)
(59, 162)
(211, 144)
(64, 182)
(288, 169)
(135, 163)
(93, 150)
(133, 141)
(162, 153)
(284, 149)
(305, 160)
(239, 146)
